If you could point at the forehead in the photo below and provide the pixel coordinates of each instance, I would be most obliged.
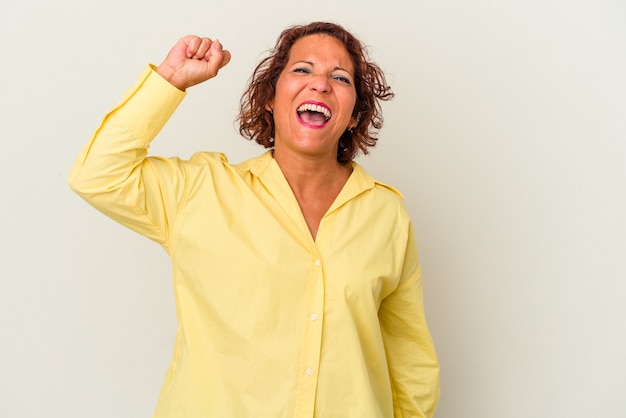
(321, 47)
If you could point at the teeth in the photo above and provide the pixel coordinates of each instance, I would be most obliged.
(310, 107)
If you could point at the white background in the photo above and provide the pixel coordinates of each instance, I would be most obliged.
(507, 137)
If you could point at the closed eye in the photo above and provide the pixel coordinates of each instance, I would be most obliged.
(341, 78)
(302, 70)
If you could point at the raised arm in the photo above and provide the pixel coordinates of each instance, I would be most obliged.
(113, 172)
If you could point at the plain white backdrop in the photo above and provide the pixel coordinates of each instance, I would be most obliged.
(507, 137)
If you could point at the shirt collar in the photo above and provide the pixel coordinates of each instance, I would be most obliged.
(265, 168)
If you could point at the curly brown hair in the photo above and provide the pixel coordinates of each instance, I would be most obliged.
(257, 123)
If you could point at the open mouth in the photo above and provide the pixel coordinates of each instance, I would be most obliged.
(313, 115)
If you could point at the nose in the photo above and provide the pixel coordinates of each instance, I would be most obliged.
(320, 83)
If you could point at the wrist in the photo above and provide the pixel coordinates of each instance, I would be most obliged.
(169, 75)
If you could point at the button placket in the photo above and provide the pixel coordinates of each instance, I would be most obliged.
(310, 360)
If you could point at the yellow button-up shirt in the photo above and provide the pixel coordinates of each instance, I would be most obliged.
(271, 322)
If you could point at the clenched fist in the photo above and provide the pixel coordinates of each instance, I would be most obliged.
(193, 60)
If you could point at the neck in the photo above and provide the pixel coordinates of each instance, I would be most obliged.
(315, 183)
(311, 173)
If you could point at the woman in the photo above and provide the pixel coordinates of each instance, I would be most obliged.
(297, 283)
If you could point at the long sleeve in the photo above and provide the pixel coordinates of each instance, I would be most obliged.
(113, 172)
(411, 357)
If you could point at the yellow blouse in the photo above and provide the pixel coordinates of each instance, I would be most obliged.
(271, 323)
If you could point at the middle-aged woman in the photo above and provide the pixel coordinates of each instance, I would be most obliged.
(296, 277)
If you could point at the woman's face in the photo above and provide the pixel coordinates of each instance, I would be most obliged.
(315, 97)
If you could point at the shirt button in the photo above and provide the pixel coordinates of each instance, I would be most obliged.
(318, 262)
(309, 371)
(313, 317)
